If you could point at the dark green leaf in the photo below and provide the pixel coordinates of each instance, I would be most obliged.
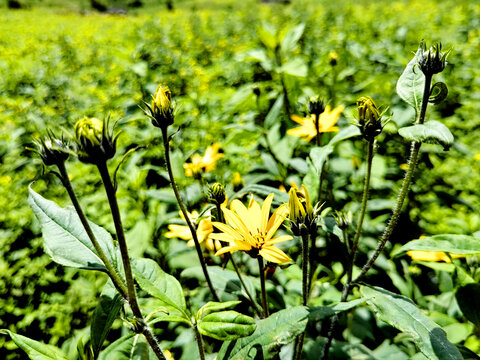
(35, 349)
(129, 347)
(454, 244)
(226, 325)
(65, 239)
(401, 313)
(318, 313)
(270, 335)
(467, 297)
(411, 84)
(106, 312)
(213, 306)
(432, 132)
(159, 284)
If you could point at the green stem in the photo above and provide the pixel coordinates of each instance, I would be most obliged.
(412, 164)
(262, 285)
(366, 188)
(185, 214)
(122, 243)
(305, 268)
(198, 339)
(112, 273)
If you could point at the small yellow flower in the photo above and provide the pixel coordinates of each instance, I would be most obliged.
(204, 230)
(436, 256)
(252, 229)
(477, 157)
(168, 355)
(326, 123)
(199, 164)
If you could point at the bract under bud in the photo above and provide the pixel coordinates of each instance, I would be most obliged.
(369, 118)
(433, 60)
(95, 142)
(52, 150)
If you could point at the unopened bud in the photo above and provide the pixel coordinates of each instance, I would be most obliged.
(332, 58)
(237, 181)
(316, 106)
(52, 150)
(217, 194)
(433, 60)
(95, 141)
(161, 109)
(369, 118)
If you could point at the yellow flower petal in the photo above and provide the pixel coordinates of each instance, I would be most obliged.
(273, 254)
(267, 203)
(276, 220)
(278, 239)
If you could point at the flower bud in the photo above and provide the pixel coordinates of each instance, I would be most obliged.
(432, 61)
(52, 150)
(316, 106)
(369, 118)
(161, 109)
(217, 194)
(301, 213)
(332, 58)
(95, 142)
(237, 181)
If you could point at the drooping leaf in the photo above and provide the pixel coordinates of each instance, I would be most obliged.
(226, 325)
(129, 347)
(401, 313)
(318, 313)
(35, 349)
(213, 306)
(411, 84)
(271, 334)
(65, 239)
(432, 132)
(106, 312)
(159, 284)
(467, 298)
(453, 243)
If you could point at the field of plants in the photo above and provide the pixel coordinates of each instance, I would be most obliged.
(262, 180)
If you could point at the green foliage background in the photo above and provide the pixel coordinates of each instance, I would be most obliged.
(60, 62)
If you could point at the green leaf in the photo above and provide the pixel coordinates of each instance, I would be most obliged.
(432, 132)
(35, 349)
(106, 312)
(454, 244)
(318, 313)
(271, 334)
(295, 67)
(467, 298)
(274, 113)
(401, 313)
(129, 347)
(263, 191)
(65, 239)
(213, 306)
(159, 284)
(226, 325)
(290, 40)
(410, 85)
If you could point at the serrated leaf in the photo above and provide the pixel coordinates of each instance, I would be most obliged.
(411, 84)
(226, 325)
(401, 313)
(64, 237)
(454, 244)
(213, 306)
(105, 313)
(159, 284)
(35, 349)
(271, 334)
(432, 132)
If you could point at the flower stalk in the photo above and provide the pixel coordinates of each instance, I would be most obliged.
(262, 285)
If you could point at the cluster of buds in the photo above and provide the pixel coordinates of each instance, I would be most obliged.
(433, 60)
(52, 150)
(95, 141)
(369, 118)
(161, 110)
(302, 215)
(216, 194)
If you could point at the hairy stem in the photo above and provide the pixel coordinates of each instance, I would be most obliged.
(122, 243)
(166, 145)
(198, 339)
(112, 273)
(305, 268)
(262, 285)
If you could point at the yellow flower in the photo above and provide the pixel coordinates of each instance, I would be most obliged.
(204, 230)
(418, 255)
(308, 129)
(252, 229)
(199, 164)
